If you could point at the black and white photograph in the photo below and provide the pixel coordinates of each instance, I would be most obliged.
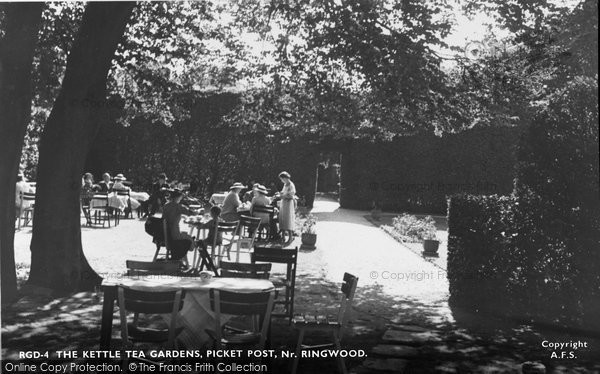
(299, 186)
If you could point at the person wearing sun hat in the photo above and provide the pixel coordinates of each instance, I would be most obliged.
(231, 203)
(118, 185)
(261, 199)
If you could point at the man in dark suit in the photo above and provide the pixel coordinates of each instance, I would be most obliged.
(106, 184)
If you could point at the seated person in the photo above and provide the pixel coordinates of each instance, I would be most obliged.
(231, 203)
(261, 199)
(211, 226)
(158, 194)
(120, 186)
(249, 195)
(105, 185)
(180, 242)
(88, 188)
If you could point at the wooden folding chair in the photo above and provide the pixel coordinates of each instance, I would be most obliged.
(285, 286)
(145, 268)
(333, 324)
(255, 304)
(99, 208)
(160, 244)
(238, 270)
(145, 301)
(26, 207)
(167, 236)
(247, 232)
(226, 232)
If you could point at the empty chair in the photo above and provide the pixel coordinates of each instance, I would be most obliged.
(26, 207)
(247, 231)
(223, 238)
(257, 305)
(144, 268)
(238, 270)
(333, 324)
(147, 301)
(286, 286)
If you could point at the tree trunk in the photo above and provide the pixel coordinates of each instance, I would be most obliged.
(57, 259)
(22, 21)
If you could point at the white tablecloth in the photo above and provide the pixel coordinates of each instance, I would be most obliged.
(139, 196)
(114, 201)
(196, 314)
(217, 198)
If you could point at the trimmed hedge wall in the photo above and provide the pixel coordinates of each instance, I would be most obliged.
(418, 173)
(203, 151)
(536, 255)
(501, 258)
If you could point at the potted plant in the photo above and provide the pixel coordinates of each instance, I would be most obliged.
(431, 243)
(309, 232)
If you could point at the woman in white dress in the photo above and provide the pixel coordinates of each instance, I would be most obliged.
(287, 214)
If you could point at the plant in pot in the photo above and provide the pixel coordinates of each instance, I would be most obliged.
(309, 232)
(431, 243)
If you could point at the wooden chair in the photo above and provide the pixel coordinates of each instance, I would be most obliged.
(84, 200)
(146, 301)
(325, 323)
(247, 232)
(226, 232)
(101, 212)
(167, 236)
(144, 268)
(257, 305)
(285, 286)
(264, 227)
(26, 207)
(238, 270)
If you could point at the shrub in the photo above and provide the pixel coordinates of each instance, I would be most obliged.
(479, 230)
(410, 228)
(536, 254)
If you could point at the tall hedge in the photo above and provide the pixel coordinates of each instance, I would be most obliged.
(536, 254)
(204, 151)
(418, 173)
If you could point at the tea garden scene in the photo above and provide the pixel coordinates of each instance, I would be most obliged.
(359, 186)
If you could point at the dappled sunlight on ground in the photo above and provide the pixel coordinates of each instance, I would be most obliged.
(396, 287)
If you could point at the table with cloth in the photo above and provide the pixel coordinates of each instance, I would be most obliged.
(119, 201)
(217, 198)
(196, 315)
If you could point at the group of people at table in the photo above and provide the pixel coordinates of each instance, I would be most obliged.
(232, 207)
(110, 187)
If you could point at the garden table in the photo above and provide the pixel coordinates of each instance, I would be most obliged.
(139, 196)
(114, 201)
(196, 314)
